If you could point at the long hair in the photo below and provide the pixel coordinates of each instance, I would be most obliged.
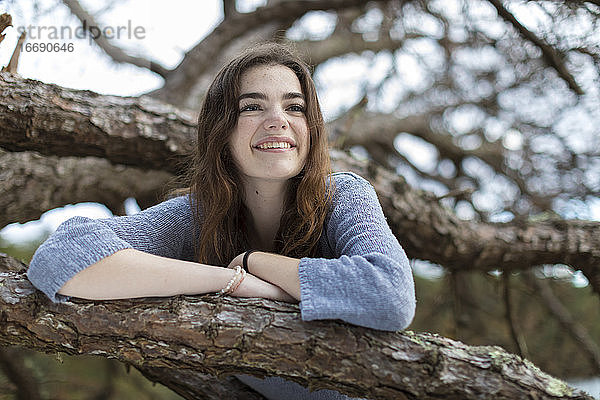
(221, 218)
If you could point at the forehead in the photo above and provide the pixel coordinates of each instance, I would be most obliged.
(269, 77)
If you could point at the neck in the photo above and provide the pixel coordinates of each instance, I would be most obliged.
(265, 201)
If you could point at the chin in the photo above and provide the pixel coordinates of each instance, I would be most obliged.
(282, 176)
(281, 171)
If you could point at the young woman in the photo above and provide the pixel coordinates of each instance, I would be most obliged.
(260, 180)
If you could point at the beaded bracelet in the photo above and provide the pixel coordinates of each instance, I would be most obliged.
(237, 285)
(227, 288)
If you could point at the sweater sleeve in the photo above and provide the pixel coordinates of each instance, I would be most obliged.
(164, 230)
(369, 282)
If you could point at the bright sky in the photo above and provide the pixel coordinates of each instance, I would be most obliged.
(163, 34)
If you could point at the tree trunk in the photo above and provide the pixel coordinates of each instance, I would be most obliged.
(211, 335)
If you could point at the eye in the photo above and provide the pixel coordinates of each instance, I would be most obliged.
(250, 107)
(296, 108)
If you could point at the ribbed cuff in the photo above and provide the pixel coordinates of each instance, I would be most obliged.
(307, 307)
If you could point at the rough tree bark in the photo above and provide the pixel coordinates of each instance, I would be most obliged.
(210, 335)
(32, 184)
(56, 121)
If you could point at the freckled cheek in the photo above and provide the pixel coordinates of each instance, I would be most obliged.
(303, 136)
(243, 133)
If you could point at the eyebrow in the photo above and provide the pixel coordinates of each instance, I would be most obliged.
(262, 96)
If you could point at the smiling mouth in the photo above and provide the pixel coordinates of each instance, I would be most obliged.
(276, 147)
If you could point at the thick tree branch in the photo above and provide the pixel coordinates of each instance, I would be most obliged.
(32, 184)
(52, 120)
(550, 54)
(114, 52)
(224, 336)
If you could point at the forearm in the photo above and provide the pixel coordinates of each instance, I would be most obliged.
(131, 273)
(277, 269)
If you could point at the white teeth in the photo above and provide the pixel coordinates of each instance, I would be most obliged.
(275, 145)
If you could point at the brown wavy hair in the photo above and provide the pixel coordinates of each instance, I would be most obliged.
(221, 218)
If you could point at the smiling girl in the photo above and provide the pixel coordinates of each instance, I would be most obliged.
(263, 217)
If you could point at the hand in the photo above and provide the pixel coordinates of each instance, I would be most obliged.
(237, 261)
(275, 269)
(252, 286)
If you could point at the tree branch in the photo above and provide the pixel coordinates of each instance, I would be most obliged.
(229, 9)
(192, 384)
(114, 52)
(224, 336)
(345, 42)
(388, 126)
(550, 54)
(13, 64)
(52, 120)
(5, 22)
(32, 184)
(515, 331)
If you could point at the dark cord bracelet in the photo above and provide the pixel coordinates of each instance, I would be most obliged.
(245, 260)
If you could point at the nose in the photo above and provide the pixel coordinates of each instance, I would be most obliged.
(276, 120)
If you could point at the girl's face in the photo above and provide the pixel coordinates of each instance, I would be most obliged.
(271, 138)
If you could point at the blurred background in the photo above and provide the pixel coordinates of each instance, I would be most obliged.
(492, 106)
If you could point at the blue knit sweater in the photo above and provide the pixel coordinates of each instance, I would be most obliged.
(362, 275)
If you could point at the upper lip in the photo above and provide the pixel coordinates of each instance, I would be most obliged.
(275, 139)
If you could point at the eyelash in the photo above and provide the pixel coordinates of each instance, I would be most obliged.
(300, 107)
(246, 107)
